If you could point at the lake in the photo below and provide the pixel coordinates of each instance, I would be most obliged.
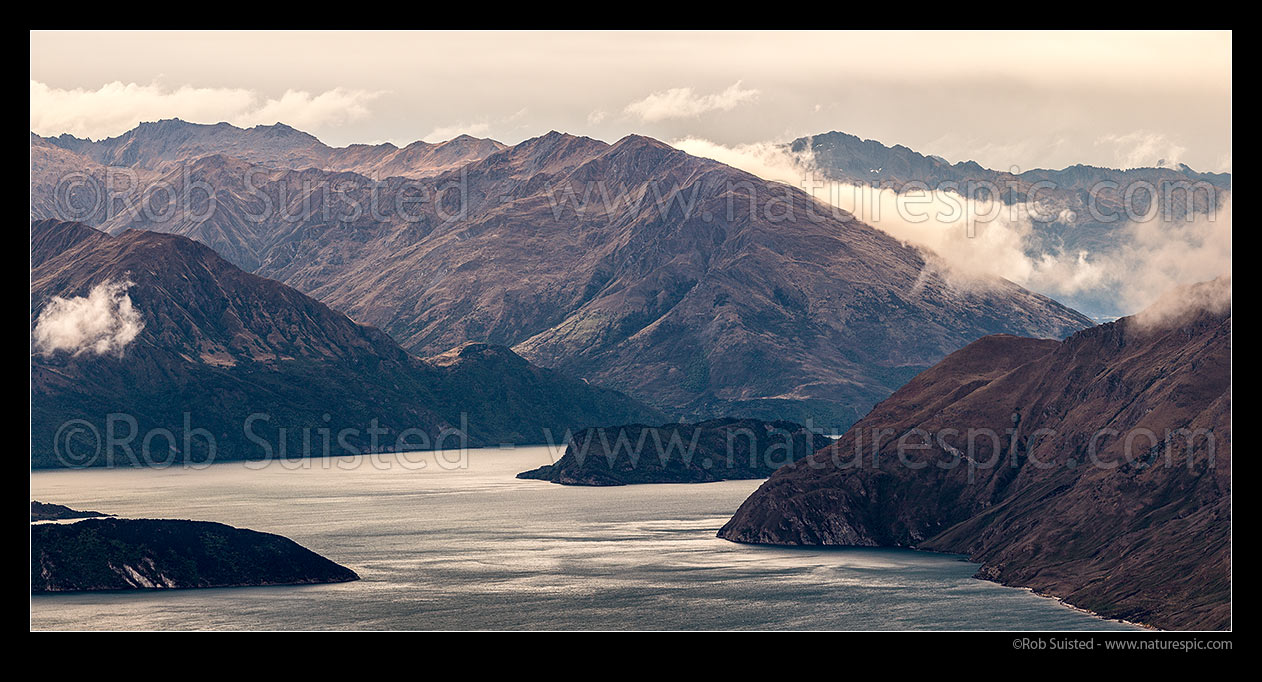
(450, 541)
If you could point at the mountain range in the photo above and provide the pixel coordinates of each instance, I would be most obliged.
(1078, 212)
(846, 157)
(1095, 469)
(692, 286)
(161, 329)
(254, 292)
(162, 145)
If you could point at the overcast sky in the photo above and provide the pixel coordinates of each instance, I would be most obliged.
(1001, 98)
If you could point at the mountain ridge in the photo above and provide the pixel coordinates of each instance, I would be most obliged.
(277, 145)
(910, 157)
(633, 265)
(216, 344)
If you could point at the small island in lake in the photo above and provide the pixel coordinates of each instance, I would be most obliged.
(715, 450)
(126, 554)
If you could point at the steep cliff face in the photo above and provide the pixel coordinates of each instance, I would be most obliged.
(132, 554)
(163, 332)
(695, 287)
(716, 450)
(1098, 470)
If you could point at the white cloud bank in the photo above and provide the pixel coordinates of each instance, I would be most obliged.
(102, 322)
(975, 239)
(117, 107)
(1179, 303)
(685, 103)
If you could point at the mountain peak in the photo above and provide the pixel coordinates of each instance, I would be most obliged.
(282, 130)
(553, 148)
(635, 141)
(51, 237)
(160, 145)
(472, 351)
(279, 127)
(245, 342)
(167, 122)
(173, 124)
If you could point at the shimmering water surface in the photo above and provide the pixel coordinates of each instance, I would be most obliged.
(443, 547)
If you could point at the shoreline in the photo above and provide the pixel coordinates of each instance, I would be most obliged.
(964, 558)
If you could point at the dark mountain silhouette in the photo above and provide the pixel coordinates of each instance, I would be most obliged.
(137, 554)
(1108, 484)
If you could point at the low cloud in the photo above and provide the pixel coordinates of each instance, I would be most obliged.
(766, 160)
(1180, 303)
(685, 103)
(117, 107)
(977, 240)
(103, 322)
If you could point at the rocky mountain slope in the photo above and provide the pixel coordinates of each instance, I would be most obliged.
(161, 329)
(716, 450)
(131, 554)
(686, 283)
(1099, 470)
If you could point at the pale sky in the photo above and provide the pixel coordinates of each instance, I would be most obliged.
(1003, 99)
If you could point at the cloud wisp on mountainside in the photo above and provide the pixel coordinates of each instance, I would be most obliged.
(103, 322)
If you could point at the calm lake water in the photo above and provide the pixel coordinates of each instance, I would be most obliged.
(439, 547)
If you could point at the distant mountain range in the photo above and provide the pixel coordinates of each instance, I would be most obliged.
(846, 157)
(163, 145)
(675, 279)
(1099, 470)
(1080, 209)
(211, 345)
